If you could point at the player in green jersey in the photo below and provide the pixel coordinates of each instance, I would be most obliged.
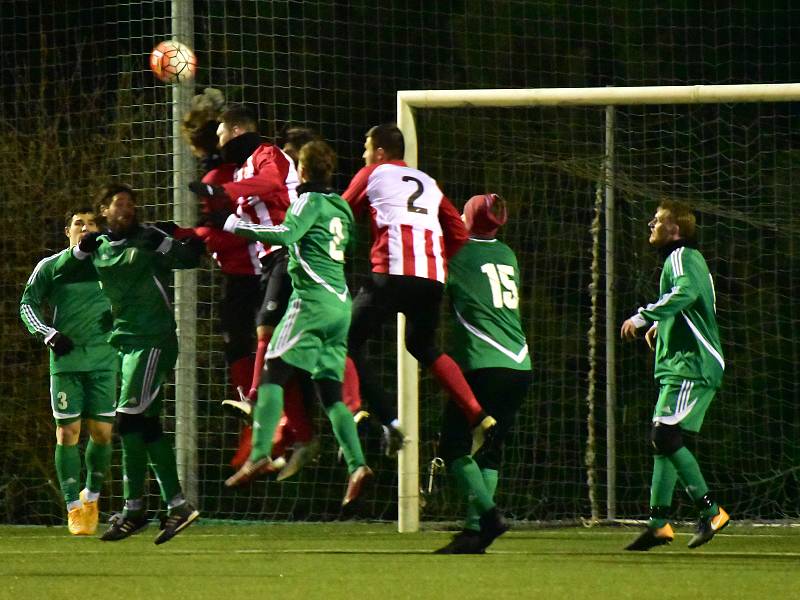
(311, 338)
(133, 264)
(490, 347)
(688, 366)
(83, 372)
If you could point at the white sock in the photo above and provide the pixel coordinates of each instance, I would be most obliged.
(90, 495)
(74, 504)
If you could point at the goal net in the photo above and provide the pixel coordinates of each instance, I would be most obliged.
(564, 168)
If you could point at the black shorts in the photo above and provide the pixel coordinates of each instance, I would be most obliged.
(276, 286)
(241, 299)
(383, 296)
(501, 393)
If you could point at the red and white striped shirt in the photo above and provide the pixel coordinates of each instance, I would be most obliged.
(415, 227)
(234, 254)
(263, 187)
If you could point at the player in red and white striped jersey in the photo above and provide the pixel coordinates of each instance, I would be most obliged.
(263, 185)
(415, 228)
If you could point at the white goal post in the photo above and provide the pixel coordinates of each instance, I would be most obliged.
(407, 101)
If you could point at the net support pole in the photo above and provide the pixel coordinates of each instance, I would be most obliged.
(610, 325)
(407, 381)
(183, 168)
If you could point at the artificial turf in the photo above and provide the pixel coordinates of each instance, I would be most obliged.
(370, 560)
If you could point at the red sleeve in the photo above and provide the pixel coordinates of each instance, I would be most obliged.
(220, 241)
(453, 229)
(356, 192)
(270, 169)
(220, 175)
(183, 233)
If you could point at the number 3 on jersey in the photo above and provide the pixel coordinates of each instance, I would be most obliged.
(337, 230)
(504, 288)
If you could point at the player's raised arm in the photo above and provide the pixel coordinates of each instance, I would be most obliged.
(299, 218)
(173, 253)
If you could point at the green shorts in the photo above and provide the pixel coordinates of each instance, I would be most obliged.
(144, 371)
(83, 395)
(683, 404)
(312, 336)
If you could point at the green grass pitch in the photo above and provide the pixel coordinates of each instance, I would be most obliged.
(369, 560)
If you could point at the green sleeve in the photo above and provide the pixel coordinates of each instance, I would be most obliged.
(683, 291)
(36, 292)
(74, 265)
(299, 219)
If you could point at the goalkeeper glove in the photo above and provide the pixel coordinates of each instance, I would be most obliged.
(59, 343)
(89, 243)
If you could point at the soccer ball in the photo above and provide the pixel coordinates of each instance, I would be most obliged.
(173, 62)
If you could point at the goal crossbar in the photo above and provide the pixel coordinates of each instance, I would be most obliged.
(673, 94)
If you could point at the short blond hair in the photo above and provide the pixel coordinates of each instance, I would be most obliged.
(683, 216)
(318, 160)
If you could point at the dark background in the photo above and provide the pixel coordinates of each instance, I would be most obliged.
(79, 106)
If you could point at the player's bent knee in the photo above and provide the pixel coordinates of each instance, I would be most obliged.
(277, 372)
(423, 350)
(68, 435)
(666, 439)
(100, 431)
(329, 391)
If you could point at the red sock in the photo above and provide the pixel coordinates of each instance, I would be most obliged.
(295, 411)
(351, 388)
(450, 377)
(241, 374)
(258, 367)
(282, 438)
(245, 445)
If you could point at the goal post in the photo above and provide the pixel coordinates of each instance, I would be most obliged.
(409, 101)
(185, 214)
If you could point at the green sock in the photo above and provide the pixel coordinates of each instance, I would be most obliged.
(471, 484)
(162, 459)
(663, 485)
(134, 465)
(98, 457)
(472, 521)
(266, 416)
(68, 469)
(689, 471)
(344, 428)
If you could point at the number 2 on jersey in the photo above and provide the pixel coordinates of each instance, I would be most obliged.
(337, 230)
(415, 195)
(504, 288)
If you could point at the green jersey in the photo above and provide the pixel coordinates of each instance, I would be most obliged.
(317, 229)
(80, 311)
(483, 284)
(136, 279)
(688, 346)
